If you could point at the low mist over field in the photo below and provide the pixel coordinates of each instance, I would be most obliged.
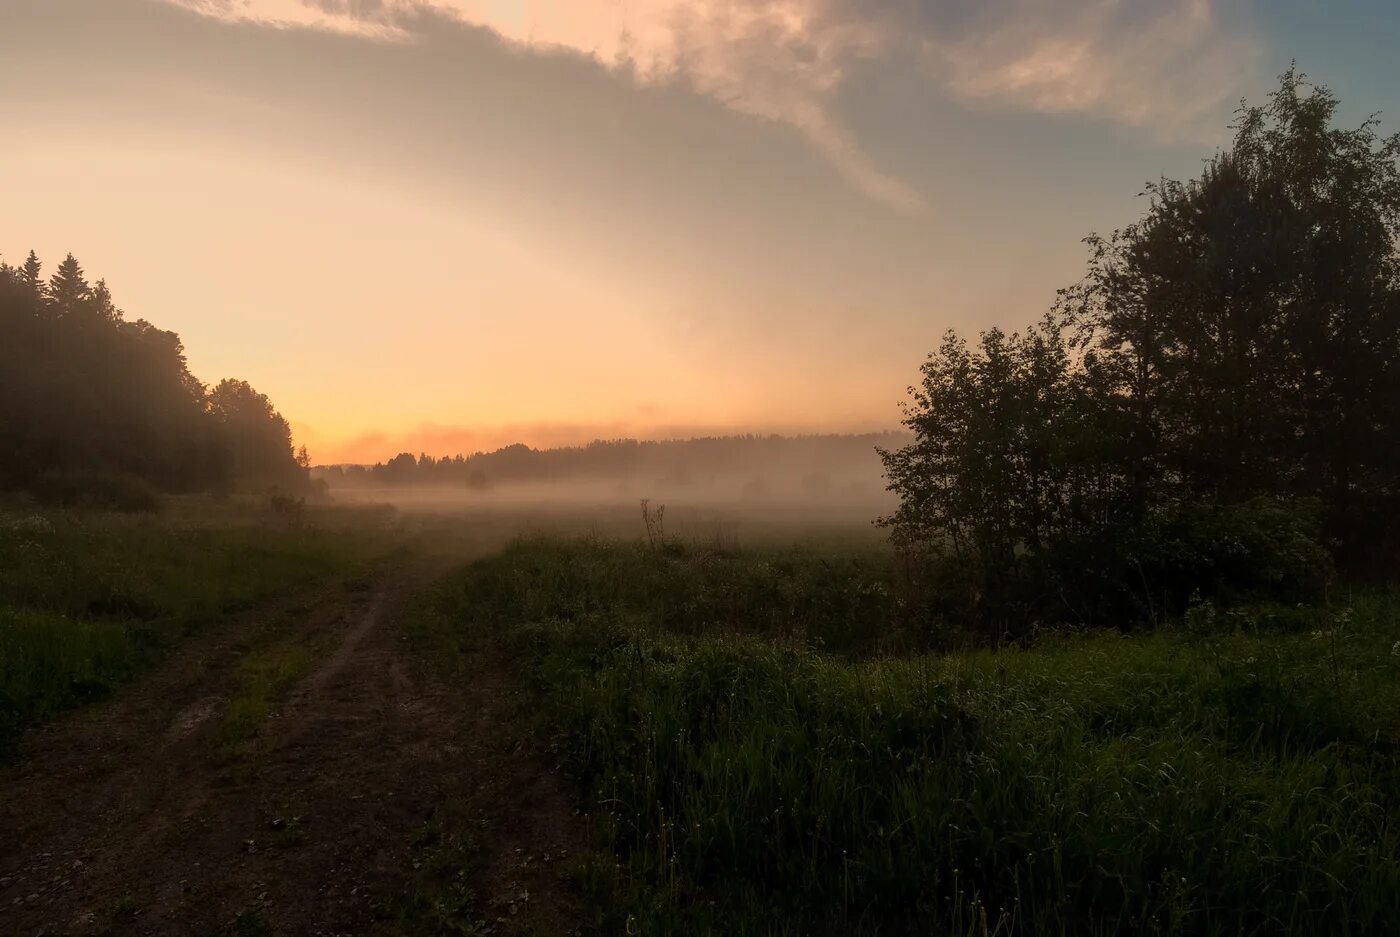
(834, 475)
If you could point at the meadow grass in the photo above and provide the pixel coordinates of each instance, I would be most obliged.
(88, 600)
(1234, 774)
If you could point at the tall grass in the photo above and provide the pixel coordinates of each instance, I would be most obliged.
(89, 599)
(843, 600)
(1238, 776)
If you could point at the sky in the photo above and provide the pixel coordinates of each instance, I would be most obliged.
(450, 226)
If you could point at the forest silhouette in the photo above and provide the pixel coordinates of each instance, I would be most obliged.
(811, 465)
(100, 410)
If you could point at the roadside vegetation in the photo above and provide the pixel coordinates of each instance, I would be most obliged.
(90, 599)
(1233, 773)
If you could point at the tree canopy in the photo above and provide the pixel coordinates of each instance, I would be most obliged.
(1237, 345)
(84, 391)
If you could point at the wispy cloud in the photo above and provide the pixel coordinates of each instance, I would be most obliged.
(1164, 63)
(1167, 65)
(367, 18)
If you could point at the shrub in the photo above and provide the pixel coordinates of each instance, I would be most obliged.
(96, 491)
(1148, 573)
(1270, 546)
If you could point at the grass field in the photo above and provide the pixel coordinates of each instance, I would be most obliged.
(766, 754)
(88, 600)
(779, 739)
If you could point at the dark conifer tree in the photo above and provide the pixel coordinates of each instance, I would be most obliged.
(31, 276)
(68, 290)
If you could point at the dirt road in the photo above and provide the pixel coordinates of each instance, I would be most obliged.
(375, 798)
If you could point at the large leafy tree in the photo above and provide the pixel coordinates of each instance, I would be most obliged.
(1012, 456)
(256, 436)
(1251, 320)
(1241, 340)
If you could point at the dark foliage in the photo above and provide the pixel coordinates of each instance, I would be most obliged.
(1236, 776)
(1217, 399)
(98, 410)
(101, 490)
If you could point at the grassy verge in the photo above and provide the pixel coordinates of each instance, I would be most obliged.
(1239, 774)
(89, 600)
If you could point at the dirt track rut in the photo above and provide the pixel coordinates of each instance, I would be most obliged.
(137, 817)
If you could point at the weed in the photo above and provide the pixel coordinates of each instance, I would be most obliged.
(442, 903)
(125, 907)
(288, 832)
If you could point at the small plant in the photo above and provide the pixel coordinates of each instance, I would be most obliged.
(246, 924)
(288, 832)
(289, 507)
(655, 521)
(126, 907)
(443, 902)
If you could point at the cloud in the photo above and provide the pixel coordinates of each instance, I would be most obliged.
(366, 18)
(1164, 63)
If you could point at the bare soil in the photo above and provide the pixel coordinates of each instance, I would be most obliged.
(138, 816)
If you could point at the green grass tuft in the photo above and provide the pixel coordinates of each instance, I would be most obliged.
(264, 675)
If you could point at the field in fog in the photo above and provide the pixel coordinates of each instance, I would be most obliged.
(789, 735)
(763, 721)
(583, 508)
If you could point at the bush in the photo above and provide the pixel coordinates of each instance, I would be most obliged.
(1261, 549)
(846, 602)
(1265, 546)
(96, 491)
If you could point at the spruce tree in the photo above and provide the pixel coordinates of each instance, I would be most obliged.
(68, 291)
(29, 275)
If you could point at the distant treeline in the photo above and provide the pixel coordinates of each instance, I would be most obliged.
(815, 463)
(93, 406)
